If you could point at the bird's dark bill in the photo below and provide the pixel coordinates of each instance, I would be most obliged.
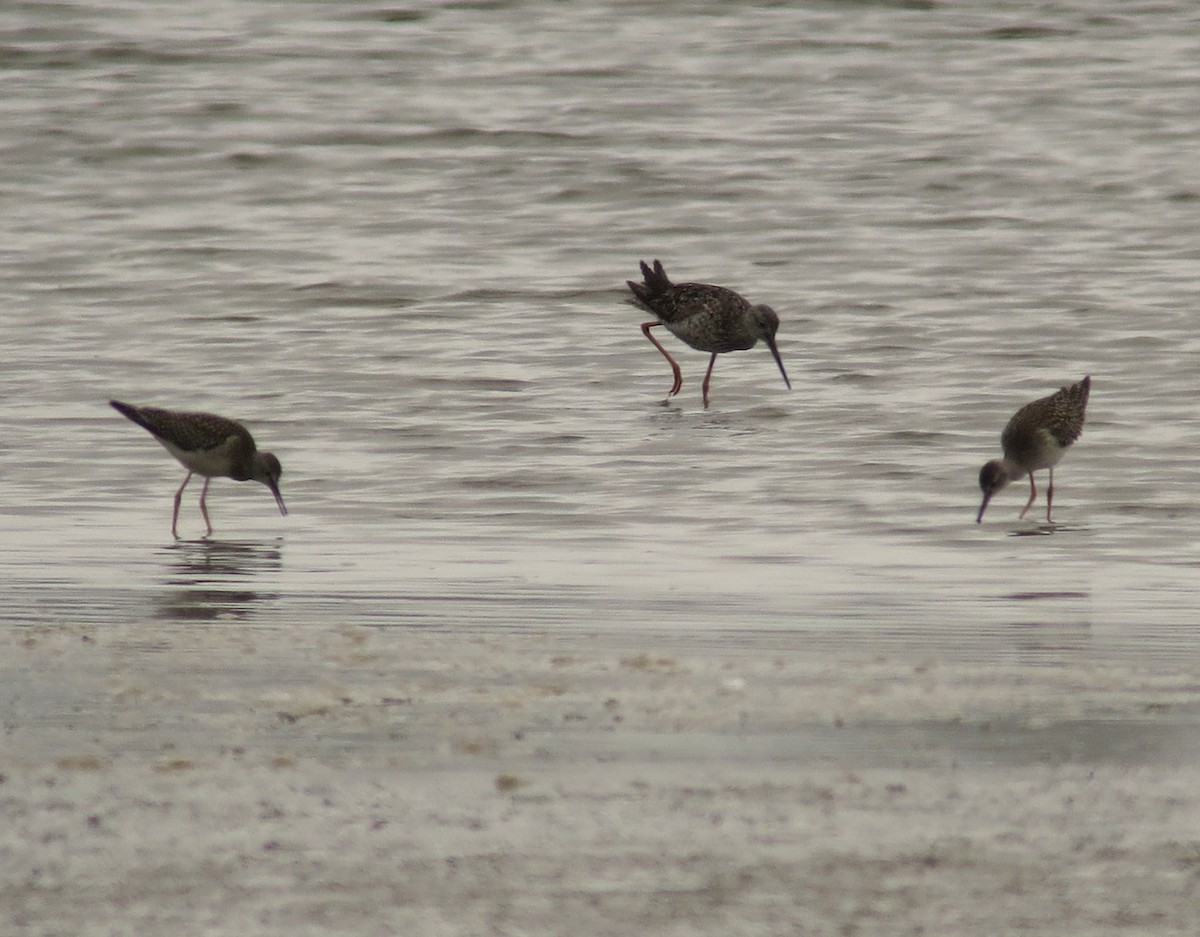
(779, 361)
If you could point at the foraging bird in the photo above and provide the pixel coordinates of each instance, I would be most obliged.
(210, 445)
(1036, 438)
(709, 318)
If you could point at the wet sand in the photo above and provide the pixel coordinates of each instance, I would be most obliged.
(228, 778)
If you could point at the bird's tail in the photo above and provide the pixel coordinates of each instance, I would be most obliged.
(657, 284)
(1081, 390)
(131, 412)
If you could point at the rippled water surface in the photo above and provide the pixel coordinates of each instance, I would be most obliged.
(393, 241)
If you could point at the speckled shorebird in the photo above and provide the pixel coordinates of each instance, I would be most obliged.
(709, 318)
(1036, 438)
(209, 445)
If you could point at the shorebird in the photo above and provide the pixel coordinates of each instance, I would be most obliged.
(210, 445)
(1036, 438)
(709, 318)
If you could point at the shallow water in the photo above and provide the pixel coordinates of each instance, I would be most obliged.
(393, 241)
(535, 650)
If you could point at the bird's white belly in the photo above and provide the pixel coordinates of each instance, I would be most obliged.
(1049, 452)
(206, 462)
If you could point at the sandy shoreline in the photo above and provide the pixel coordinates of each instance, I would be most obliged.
(227, 779)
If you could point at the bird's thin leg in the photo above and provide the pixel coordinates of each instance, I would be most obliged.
(204, 507)
(1032, 497)
(1050, 495)
(175, 516)
(707, 378)
(646, 327)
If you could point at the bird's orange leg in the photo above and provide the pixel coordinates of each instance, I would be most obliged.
(707, 378)
(646, 327)
(204, 507)
(1032, 497)
(175, 516)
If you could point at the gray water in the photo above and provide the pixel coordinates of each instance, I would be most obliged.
(393, 240)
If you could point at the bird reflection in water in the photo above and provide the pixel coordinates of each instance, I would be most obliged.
(207, 580)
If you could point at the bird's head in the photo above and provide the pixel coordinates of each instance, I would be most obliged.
(268, 471)
(992, 477)
(765, 323)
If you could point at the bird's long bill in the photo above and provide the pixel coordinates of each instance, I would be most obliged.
(278, 498)
(779, 361)
(983, 507)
